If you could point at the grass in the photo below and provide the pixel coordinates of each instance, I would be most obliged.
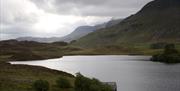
(21, 77)
(123, 49)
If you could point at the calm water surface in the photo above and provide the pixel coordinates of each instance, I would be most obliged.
(132, 73)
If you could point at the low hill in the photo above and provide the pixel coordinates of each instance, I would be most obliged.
(29, 50)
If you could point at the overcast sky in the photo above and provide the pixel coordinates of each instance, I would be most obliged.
(56, 18)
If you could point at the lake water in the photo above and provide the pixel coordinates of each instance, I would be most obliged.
(131, 73)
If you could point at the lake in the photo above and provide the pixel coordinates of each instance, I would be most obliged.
(131, 73)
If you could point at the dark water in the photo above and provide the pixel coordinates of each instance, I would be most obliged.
(132, 73)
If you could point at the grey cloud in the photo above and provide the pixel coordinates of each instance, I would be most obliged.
(15, 21)
(12, 13)
(118, 8)
(106, 11)
(14, 31)
(82, 2)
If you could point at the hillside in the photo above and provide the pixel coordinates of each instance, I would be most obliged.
(157, 21)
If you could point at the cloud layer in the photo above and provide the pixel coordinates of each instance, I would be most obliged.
(48, 18)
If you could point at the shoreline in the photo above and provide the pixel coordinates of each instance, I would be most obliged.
(38, 67)
(82, 55)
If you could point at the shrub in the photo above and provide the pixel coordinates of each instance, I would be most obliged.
(170, 49)
(106, 87)
(41, 85)
(170, 55)
(63, 83)
(86, 84)
(82, 83)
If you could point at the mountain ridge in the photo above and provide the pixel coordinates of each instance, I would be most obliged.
(76, 34)
(157, 21)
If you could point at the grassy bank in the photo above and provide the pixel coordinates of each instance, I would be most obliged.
(21, 77)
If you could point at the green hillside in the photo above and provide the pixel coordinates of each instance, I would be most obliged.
(157, 21)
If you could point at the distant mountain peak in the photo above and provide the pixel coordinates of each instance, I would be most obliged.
(85, 28)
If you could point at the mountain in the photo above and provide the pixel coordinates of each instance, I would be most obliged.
(100, 26)
(38, 39)
(85, 30)
(76, 34)
(157, 21)
(113, 22)
(110, 23)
